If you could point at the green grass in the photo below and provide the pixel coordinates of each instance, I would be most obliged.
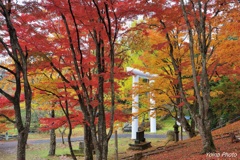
(40, 151)
(37, 151)
(167, 125)
(78, 131)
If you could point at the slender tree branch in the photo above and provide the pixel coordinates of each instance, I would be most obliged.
(9, 52)
(8, 96)
(10, 71)
(9, 119)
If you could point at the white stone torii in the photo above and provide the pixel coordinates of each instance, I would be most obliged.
(135, 103)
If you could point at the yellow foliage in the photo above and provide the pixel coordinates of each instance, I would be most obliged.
(216, 93)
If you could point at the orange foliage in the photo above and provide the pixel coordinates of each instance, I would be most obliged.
(3, 127)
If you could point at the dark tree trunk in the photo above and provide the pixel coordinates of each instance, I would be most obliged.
(88, 143)
(66, 112)
(105, 149)
(70, 144)
(193, 127)
(52, 149)
(21, 146)
(23, 128)
(188, 128)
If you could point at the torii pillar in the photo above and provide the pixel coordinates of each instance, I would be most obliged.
(153, 122)
(135, 106)
(135, 103)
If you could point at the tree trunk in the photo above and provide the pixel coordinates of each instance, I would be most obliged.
(52, 149)
(70, 132)
(188, 128)
(23, 128)
(184, 123)
(62, 135)
(105, 149)
(21, 146)
(193, 126)
(62, 132)
(89, 149)
(206, 136)
(70, 144)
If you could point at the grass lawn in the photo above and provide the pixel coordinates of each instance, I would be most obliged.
(40, 151)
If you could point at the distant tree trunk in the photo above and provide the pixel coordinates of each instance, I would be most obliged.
(52, 149)
(62, 134)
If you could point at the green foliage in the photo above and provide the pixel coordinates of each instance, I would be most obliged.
(225, 103)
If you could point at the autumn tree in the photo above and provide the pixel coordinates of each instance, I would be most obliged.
(50, 96)
(199, 28)
(71, 116)
(226, 80)
(150, 39)
(200, 20)
(60, 98)
(17, 68)
(6, 114)
(80, 45)
(45, 102)
(201, 50)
